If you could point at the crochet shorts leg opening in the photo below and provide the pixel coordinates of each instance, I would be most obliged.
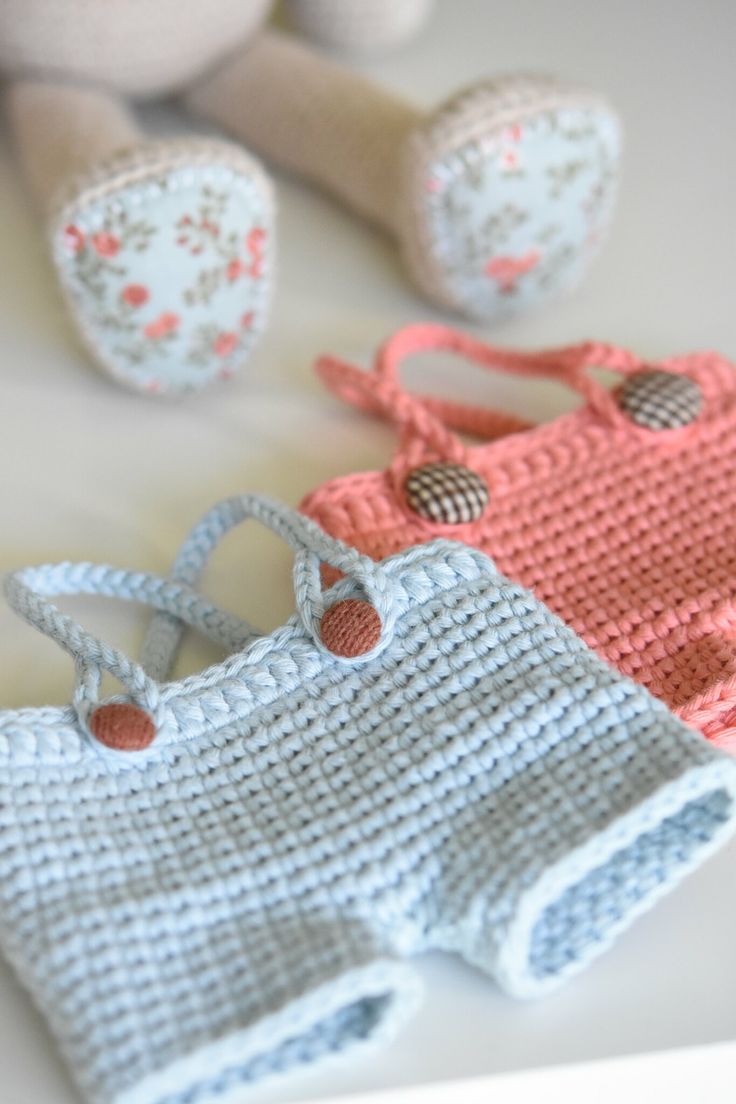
(353, 1023)
(588, 912)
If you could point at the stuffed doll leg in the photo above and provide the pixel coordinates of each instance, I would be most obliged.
(498, 198)
(162, 248)
(356, 25)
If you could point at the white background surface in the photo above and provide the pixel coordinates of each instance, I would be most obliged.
(92, 472)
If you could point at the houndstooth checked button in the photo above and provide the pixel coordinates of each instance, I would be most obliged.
(450, 494)
(660, 400)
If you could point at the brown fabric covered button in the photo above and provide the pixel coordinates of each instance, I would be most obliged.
(122, 726)
(449, 494)
(350, 628)
(660, 400)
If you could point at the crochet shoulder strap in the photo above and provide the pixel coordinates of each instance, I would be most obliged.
(28, 592)
(165, 631)
(379, 390)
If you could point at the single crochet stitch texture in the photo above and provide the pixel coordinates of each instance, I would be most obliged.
(619, 516)
(240, 896)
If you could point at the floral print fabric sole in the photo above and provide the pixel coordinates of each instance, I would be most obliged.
(169, 276)
(515, 217)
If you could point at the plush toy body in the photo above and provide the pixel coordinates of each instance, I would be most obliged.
(164, 249)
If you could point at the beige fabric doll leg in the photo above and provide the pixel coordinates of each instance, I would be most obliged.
(313, 117)
(162, 248)
(360, 26)
(61, 130)
(498, 198)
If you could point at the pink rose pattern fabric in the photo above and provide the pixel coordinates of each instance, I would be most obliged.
(515, 218)
(170, 277)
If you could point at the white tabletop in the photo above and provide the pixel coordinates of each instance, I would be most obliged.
(92, 472)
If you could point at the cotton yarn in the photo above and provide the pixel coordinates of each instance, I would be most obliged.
(619, 516)
(241, 897)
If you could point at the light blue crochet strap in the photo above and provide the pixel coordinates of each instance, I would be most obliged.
(314, 547)
(28, 592)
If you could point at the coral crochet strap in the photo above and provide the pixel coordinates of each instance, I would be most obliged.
(422, 757)
(430, 418)
(618, 515)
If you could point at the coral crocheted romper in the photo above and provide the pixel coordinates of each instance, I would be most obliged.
(620, 516)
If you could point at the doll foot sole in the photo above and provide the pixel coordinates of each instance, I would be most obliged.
(165, 257)
(512, 186)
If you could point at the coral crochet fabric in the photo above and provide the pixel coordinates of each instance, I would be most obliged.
(620, 516)
(239, 897)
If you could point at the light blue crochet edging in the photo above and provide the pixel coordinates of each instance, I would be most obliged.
(479, 782)
(569, 877)
(188, 1080)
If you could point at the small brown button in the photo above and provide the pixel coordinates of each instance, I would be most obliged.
(350, 628)
(449, 494)
(660, 400)
(122, 726)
